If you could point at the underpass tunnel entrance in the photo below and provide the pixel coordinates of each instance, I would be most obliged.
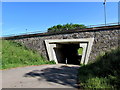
(70, 52)
(60, 50)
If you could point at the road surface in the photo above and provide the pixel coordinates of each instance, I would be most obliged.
(42, 76)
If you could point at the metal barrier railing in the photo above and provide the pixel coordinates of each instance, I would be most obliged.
(89, 26)
(100, 25)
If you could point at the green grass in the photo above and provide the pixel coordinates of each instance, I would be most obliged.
(16, 55)
(80, 50)
(0, 54)
(104, 73)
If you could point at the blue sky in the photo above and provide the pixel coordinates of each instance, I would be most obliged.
(38, 16)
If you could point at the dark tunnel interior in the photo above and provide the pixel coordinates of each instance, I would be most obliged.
(69, 52)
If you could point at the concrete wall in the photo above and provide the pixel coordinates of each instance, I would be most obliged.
(70, 49)
(105, 39)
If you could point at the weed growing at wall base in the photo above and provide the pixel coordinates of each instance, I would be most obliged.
(16, 55)
(104, 73)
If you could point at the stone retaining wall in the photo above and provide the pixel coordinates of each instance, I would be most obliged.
(104, 40)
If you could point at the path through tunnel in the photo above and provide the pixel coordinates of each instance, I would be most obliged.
(69, 52)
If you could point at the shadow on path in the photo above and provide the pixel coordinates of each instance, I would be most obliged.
(63, 75)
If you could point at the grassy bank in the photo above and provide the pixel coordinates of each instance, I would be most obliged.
(16, 55)
(104, 73)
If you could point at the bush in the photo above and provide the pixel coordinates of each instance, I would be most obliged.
(66, 27)
(104, 73)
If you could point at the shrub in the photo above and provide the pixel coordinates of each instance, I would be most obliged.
(104, 73)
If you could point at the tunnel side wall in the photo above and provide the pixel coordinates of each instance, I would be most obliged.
(104, 40)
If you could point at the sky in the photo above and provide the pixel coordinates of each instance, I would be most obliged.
(24, 17)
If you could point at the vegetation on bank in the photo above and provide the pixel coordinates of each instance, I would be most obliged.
(80, 51)
(66, 27)
(16, 55)
(0, 54)
(104, 73)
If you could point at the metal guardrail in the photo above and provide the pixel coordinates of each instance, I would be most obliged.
(89, 26)
(23, 33)
(100, 25)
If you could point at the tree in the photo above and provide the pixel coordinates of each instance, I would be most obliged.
(64, 27)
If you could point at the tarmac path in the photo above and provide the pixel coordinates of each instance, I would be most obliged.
(42, 76)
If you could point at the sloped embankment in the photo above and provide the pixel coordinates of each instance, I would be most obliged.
(104, 73)
(16, 55)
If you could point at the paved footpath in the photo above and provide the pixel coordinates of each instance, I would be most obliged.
(43, 76)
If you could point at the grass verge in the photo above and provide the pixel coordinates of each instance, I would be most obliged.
(104, 73)
(17, 55)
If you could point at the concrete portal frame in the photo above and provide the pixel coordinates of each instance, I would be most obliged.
(85, 43)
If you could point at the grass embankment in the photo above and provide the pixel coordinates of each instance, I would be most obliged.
(104, 73)
(16, 55)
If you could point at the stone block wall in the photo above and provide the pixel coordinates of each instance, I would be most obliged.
(104, 40)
